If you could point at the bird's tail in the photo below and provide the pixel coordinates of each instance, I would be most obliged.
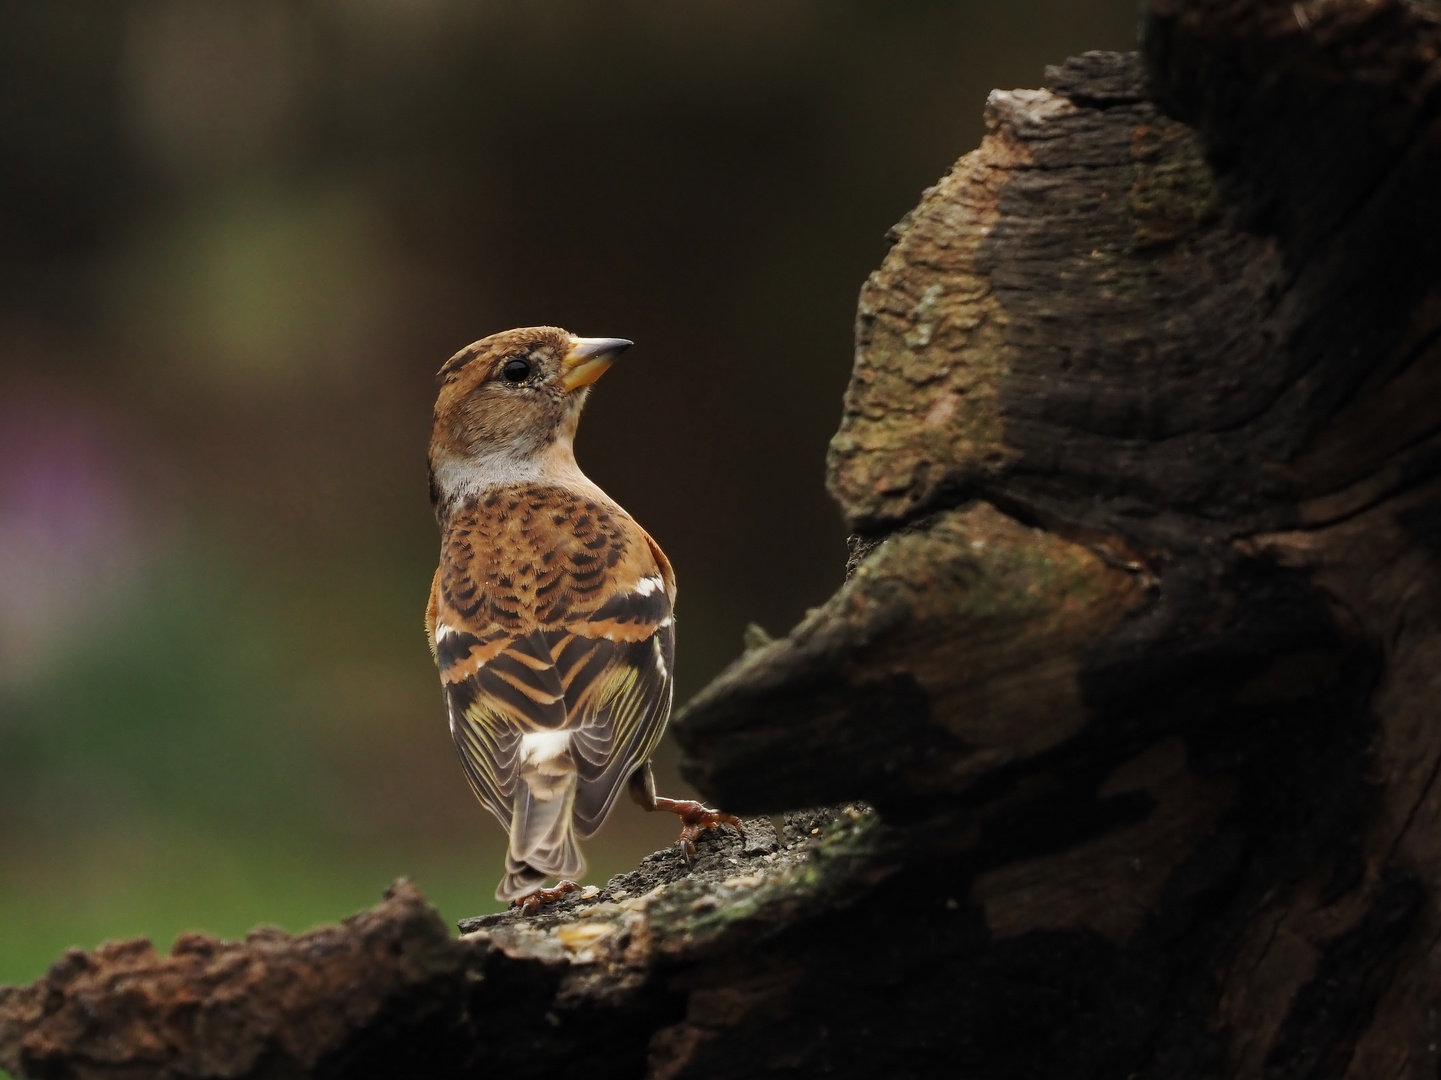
(542, 837)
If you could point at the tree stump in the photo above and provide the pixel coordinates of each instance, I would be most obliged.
(1138, 661)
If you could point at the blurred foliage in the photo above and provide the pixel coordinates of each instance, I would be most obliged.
(236, 241)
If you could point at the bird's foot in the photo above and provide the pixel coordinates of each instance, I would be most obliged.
(530, 903)
(694, 817)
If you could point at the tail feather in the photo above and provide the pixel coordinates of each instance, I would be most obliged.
(542, 836)
(520, 880)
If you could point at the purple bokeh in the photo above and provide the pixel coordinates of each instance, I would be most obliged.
(68, 528)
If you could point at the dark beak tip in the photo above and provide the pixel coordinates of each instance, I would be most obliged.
(589, 348)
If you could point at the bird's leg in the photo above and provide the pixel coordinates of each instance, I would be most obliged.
(530, 903)
(693, 816)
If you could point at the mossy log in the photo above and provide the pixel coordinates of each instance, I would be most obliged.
(1138, 661)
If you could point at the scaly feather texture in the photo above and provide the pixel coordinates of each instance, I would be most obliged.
(550, 614)
(555, 642)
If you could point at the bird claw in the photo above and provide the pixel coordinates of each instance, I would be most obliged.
(530, 903)
(696, 817)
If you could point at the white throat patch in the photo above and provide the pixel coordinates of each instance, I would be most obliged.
(459, 480)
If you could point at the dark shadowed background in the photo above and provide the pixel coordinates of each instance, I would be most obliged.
(236, 241)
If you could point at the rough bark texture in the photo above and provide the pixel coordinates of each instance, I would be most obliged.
(1138, 661)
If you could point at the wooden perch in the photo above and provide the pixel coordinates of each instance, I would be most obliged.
(1138, 661)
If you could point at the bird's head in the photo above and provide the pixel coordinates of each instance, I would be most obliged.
(509, 405)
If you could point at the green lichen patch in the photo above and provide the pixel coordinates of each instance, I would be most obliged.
(954, 649)
(991, 618)
(826, 854)
(746, 885)
(930, 352)
(1174, 191)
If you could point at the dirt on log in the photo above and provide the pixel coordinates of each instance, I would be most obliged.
(1138, 662)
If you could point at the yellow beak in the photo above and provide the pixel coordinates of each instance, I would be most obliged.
(588, 359)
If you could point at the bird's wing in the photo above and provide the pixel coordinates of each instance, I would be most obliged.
(617, 669)
(611, 691)
(605, 679)
(554, 614)
(496, 692)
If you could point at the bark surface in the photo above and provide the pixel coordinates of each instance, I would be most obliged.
(1138, 661)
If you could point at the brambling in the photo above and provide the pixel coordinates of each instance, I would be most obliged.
(550, 615)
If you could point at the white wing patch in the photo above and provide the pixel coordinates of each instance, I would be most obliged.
(538, 747)
(648, 585)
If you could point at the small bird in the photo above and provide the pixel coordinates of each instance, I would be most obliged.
(550, 615)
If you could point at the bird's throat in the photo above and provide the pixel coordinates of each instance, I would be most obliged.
(457, 481)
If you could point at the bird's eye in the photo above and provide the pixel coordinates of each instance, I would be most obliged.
(516, 370)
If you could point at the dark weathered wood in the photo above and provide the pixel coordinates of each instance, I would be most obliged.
(1138, 659)
(595, 986)
(1209, 355)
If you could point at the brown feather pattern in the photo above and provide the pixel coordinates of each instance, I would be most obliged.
(550, 611)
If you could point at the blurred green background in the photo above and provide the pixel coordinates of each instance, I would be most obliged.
(236, 241)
